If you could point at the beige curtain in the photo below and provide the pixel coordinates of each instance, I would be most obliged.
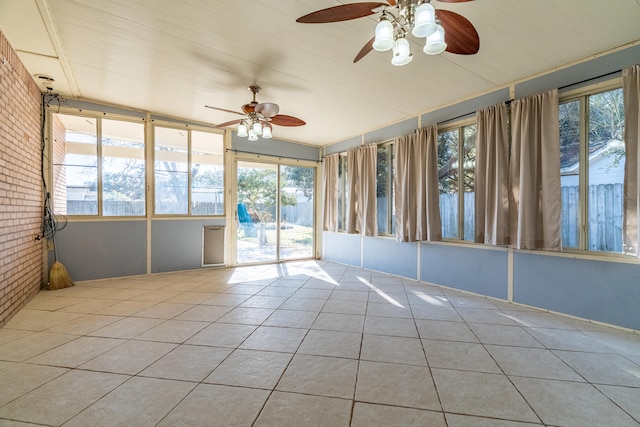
(330, 189)
(415, 186)
(361, 182)
(492, 176)
(631, 90)
(535, 200)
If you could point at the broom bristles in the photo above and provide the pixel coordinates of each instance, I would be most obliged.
(59, 277)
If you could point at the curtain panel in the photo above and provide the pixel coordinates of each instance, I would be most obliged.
(361, 183)
(415, 186)
(492, 176)
(631, 91)
(535, 200)
(330, 190)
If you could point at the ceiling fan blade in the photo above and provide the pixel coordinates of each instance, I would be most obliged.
(284, 120)
(365, 50)
(344, 12)
(391, 2)
(232, 122)
(459, 33)
(224, 109)
(267, 109)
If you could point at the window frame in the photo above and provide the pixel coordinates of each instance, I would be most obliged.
(390, 145)
(152, 169)
(582, 95)
(459, 126)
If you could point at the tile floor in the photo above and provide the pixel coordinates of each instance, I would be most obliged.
(306, 344)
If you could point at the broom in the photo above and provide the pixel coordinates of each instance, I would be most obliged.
(58, 276)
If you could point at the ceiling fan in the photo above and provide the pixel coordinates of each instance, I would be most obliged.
(443, 29)
(258, 118)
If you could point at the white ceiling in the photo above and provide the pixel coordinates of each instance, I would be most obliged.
(172, 57)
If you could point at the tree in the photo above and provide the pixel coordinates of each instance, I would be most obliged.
(258, 189)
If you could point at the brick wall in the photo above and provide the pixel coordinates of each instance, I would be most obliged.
(21, 201)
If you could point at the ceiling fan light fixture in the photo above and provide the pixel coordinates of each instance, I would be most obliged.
(435, 42)
(257, 128)
(252, 135)
(242, 130)
(266, 131)
(384, 35)
(401, 52)
(425, 21)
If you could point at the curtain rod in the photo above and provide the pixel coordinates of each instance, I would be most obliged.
(270, 155)
(590, 79)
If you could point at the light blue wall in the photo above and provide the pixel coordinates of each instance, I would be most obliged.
(177, 244)
(276, 148)
(342, 247)
(389, 256)
(469, 268)
(102, 249)
(605, 291)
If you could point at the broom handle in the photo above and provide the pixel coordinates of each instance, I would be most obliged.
(55, 252)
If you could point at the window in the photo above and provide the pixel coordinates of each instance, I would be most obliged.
(592, 157)
(384, 190)
(454, 175)
(98, 166)
(188, 172)
(342, 192)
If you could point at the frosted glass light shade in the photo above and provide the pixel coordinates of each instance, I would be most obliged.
(257, 128)
(435, 42)
(401, 52)
(425, 21)
(252, 136)
(266, 132)
(384, 36)
(242, 130)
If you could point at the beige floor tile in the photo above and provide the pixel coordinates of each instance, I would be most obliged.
(445, 330)
(32, 345)
(127, 328)
(437, 312)
(89, 306)
(504, 335)
(250, 368)
(291, 319)
(331, 343)
(625, 397)
(76, 352)
(388, 310)
(345, 307)
(321, 294)
(21, 378)
(394, 297)
(481, 394)
(62, 398)
(382, 348)
(52, 303)
(216, 405)
(157, 295)
(128, 294)
(532, 362)
(204, 313)
(600, 368)
(271, 338)
(339, 322)
(125, 308)
(567, 339)
(290, 409)
(264, 301)
(456, 420)
(187, 362)
(393, 384)
(139, 402)
(391, 326)
(176, 331)
(355, 296)
(571, 404)
(129, 358)
(627, 343)
(164, 310)
(39, 320)
(226, 300)
(466, 356)
(537, 319)
(482, 315)
(370, 415)
(459, 299)
(85, 324)
(222, 335)
(303, 304)
(8, 335)
(320, 375)
(277, 291)
(191, 298)
(247, 316)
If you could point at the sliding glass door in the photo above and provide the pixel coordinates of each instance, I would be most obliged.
(275, 215)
